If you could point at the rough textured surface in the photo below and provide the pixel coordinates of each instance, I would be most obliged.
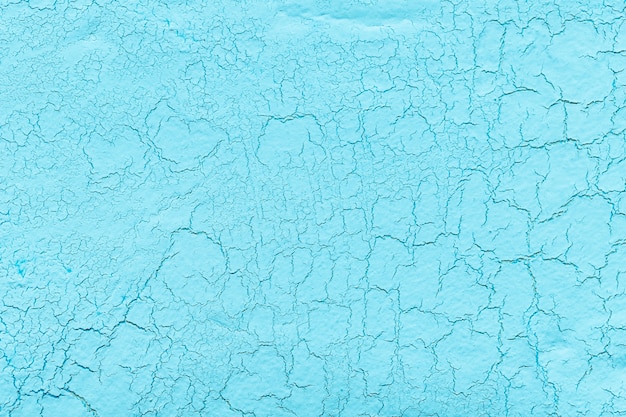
(312, 208)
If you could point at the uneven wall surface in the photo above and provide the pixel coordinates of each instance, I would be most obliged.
(312, 208)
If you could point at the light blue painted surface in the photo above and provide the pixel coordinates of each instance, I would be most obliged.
(312, 208)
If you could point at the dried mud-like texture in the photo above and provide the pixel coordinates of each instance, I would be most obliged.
(312, 208)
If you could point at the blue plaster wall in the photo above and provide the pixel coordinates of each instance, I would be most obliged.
(312, 208)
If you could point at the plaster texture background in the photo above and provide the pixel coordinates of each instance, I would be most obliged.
(312, 208)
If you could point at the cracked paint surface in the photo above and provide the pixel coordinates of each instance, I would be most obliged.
(312, 208)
